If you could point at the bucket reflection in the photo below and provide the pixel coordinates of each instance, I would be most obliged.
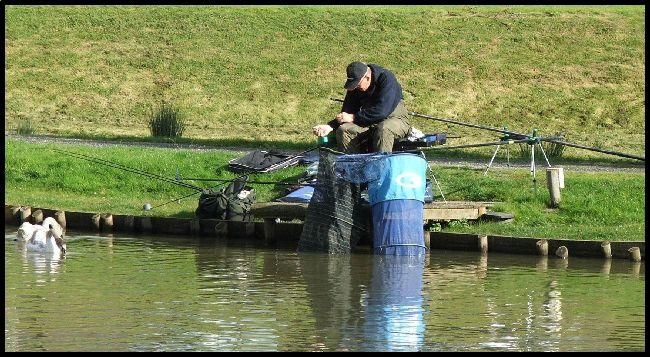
(394, 312)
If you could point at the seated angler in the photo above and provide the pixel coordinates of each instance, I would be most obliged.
(373, 115)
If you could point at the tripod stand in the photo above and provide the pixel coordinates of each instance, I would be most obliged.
(532, 141)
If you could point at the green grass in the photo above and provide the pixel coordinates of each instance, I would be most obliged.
(37, 175)
(265, 74)
(598, 206)
(594, 205)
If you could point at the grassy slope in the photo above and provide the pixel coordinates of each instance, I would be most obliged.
(265, 74)
(594, 205)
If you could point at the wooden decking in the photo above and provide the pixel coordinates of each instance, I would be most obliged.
(434, 211)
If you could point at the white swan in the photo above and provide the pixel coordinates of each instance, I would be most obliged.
(49, 241)
(26, 230)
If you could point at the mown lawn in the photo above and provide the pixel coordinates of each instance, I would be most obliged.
(601, 205)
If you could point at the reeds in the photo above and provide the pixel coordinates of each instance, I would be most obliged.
(167, 122)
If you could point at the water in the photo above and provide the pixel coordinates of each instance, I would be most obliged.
(128, 293)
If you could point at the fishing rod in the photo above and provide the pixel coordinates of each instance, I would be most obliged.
(516, 136)
(503, 142)
(179, 178)
(127, 168)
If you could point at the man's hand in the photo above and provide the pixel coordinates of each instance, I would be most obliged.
(322, 130)
(344, 117)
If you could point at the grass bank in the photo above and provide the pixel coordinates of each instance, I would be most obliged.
(594, 205)
(265, 75)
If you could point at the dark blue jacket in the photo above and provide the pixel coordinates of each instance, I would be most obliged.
(375, 104)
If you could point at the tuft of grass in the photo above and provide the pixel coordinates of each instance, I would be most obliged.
(25, 127)
(167, 122)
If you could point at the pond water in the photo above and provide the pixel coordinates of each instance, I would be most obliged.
(141, 293)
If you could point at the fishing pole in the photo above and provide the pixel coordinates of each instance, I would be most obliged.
(227, 180)
(127, 168)
(507, 142)
(642, 158)
(517, 136)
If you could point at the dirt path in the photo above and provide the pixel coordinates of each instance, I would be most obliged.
(497, 164)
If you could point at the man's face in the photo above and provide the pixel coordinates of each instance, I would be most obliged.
(364, 83)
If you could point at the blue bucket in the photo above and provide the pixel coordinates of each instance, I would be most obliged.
(397, 199)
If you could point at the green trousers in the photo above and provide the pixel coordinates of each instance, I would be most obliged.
(354, 139)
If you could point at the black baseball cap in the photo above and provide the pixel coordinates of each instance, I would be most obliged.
(355, 71)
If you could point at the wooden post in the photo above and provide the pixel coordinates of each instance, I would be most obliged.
(95, 219)
(37, 216)
(607, 249)
(483, 244)
(553, 184)
(107, 221)
(635, 254)
(25, 213)
(562, 252)
(15, 212)
(542, 247)
(60, 218)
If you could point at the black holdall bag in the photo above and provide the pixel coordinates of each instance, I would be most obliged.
(232, 202)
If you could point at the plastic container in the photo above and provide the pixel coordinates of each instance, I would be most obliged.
(397, 200)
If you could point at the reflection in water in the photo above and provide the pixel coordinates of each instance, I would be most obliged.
(553, 308)
(42, 263)
(125, 293)
(334, 290)
(386, 315)
(394, 312)
(607, 266)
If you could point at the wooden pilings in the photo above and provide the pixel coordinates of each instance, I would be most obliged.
(25, 213)
(562, 252)
(635, 254)
(95, 219)
(59, 216)
(37, 217)
(289, 232)
(483, 244)
(15, 214)
(102, 222)
(554, 182)
(107, 221)
(606, 246)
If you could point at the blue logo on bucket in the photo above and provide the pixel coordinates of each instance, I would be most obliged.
(403, 177)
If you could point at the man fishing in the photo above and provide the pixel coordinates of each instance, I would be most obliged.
(373, 113)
